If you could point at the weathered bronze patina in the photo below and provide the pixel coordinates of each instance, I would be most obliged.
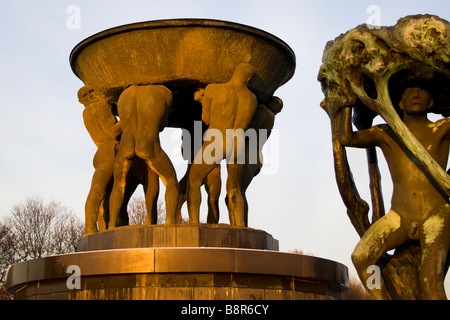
(400, 73)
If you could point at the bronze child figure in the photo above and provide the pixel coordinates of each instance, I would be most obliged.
(419, 210)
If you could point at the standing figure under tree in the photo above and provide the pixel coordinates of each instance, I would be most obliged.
(391, 72)
(420, 210)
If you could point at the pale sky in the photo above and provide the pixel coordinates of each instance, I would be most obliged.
(47, 152)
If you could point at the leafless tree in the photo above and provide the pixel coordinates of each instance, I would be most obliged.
(356, 290)
(6, 250)
(137, 211)
(35, 230)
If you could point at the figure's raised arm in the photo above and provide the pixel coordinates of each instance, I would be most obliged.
(117, 130)
(360, 139)
(109, 122)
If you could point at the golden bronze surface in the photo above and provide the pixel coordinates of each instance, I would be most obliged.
(180, 235)
(180, 273)
(401, 73)
(190, 53)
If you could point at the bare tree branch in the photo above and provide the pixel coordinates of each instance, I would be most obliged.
(34, 230)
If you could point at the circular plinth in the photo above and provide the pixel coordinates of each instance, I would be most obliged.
(186, 53)
(179, 274)
(179, 235)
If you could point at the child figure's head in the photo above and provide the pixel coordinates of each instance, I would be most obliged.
(416, 100)
(416, 97)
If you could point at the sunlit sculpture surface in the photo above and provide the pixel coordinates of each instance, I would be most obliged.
(400, 73)
(174, 73)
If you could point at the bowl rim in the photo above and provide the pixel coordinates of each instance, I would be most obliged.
(184, 22)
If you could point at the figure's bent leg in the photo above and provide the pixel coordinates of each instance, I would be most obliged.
(103, 215)
(194, 197)
(151, 190)
(234, 192)
(230, 214)
(159, 162)
(103, 212)
(385, 234)
(199, 170)
(131, 185)
(235, 179)
(121, 168)
(250, 171)
(213, 186)
(100, 181)
(182, 190)
(435, 243)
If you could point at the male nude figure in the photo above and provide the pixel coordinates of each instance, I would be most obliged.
(228, 105)
(418, 210)
(105, 131)
(143, 111)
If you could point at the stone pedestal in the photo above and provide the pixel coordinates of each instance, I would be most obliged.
(161, 263)
(179, 235)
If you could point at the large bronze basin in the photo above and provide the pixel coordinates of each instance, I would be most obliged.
(181, 53)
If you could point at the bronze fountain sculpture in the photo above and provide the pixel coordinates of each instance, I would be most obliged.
(199, 69)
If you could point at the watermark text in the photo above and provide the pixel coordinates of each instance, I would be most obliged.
(73, 21)
(374, 20)
(374, 281)
(74, 280)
